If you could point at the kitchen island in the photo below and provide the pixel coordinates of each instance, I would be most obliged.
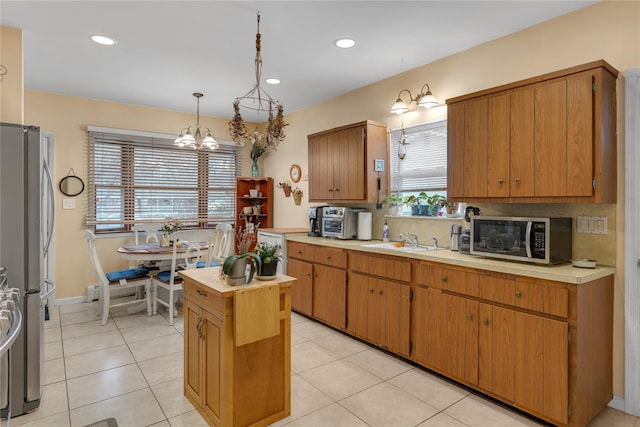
(237, 359)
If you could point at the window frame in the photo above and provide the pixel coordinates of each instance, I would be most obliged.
(147, 142)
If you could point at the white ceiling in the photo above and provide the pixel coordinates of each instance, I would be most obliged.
(168, 49)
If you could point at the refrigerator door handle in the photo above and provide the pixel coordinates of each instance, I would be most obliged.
(50, 206)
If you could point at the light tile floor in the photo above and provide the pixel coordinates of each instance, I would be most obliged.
(132, 369)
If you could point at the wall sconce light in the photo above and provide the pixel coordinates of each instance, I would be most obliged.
(423, 99)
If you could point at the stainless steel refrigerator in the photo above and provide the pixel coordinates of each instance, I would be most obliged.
(25, 187)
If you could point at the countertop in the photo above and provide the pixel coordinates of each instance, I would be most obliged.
(211, 278)
(284, 230)
(562, 273)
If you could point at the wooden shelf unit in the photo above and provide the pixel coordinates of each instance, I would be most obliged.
(264, 185)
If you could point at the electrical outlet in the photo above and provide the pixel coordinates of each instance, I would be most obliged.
(592, 224)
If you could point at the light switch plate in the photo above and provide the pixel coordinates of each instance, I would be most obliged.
(68, 204)
(592, 224)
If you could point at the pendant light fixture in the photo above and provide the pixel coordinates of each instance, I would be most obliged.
(423, 99)
(194, 137)
(257, 99)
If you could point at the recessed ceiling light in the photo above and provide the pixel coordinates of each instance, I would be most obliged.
(345, 43)
(273, 81)
(103, 40)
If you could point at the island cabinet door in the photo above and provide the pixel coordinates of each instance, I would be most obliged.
(202, 359)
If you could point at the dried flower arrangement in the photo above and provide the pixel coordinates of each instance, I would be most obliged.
(244, 240)
(261, 143)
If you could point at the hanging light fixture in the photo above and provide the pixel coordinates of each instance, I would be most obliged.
(194, 137)
(257, 99)
(423, 99)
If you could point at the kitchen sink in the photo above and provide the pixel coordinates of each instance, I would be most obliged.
(405, 248)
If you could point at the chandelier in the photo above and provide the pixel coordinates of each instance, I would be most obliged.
(194, 137)
(257, 99)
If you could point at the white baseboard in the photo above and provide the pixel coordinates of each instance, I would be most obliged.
(70, 300)
(617, 403)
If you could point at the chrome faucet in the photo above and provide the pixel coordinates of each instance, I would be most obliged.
(435, 243)
(410, 238)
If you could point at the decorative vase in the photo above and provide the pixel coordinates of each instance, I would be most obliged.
(255, 170)
(287, 190)
(297, 198)
(269, 269)
(165, 242)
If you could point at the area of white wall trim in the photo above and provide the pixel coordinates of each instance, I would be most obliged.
(632, 243)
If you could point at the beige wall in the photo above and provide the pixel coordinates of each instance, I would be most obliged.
(608, 30)
(11, 85)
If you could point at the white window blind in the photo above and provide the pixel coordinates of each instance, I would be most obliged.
(424, 167)
(139, 178)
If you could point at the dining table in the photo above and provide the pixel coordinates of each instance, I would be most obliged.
(153, 252)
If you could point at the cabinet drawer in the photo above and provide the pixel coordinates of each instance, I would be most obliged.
(497, 288)
(450, 279)
(388, 267)
(299, 250)
(205, 298)
(330, 256)
(548, 297)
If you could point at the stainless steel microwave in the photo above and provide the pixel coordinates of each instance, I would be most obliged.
(537, 240)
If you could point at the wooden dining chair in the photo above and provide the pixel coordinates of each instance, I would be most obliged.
(184, 256)
(219, 243)
(134, 279)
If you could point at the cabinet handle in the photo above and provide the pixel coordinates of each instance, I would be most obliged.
(370, 291)
(330, 190)
(443, 279)
(501, 181)
(308, 274)
(380, 291)
(328, 257)
(517, 180)
(299, 252)
(315, 274)
(469, 317)
(336, 189)
(485, 322)
(201, 293)
(518, 294)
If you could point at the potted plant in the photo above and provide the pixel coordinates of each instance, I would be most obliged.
(169, 226)
(269, 256)
(286, 187)
(235, 268)
(413, 202)
(434, 203)
(395, 202)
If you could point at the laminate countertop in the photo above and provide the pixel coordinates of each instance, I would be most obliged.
(561, 273)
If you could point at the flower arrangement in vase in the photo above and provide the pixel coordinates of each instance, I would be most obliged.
(169, 226)
(269, 255)
(286, 187)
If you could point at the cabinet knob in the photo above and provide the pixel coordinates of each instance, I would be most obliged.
(517, 180)
(330, 190)
(501, 181)
(469, 317)
(485, 322)
(201, 293)
(380, 291)
(308, 274)
(370, 291)
(299, 252)
(328, 256)
(336, 189)
(518, 294)
(443, 278)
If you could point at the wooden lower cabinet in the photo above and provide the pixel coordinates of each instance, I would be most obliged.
(302, 293)
(446, 334)
(322, 280)
(379, 311)
(330, 295)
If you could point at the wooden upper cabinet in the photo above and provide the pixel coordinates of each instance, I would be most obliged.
(550, 139)
(341, 163)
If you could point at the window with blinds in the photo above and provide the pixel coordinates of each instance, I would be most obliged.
(424, 167)
(141, 177)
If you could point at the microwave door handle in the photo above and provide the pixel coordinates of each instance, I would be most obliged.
(528, 239)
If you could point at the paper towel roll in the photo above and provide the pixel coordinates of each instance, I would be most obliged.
(364, 225)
